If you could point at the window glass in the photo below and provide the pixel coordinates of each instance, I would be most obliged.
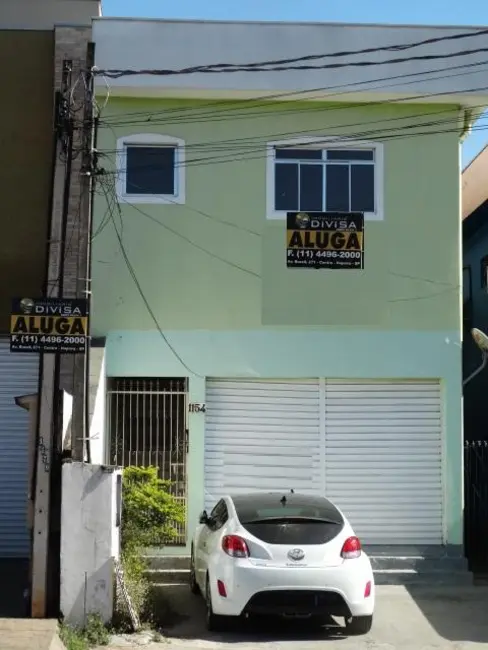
(150, 170)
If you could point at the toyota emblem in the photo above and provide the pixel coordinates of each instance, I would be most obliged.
(296, 554)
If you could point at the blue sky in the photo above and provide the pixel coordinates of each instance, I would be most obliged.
(452, 12)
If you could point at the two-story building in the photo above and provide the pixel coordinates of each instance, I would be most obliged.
(230, 370)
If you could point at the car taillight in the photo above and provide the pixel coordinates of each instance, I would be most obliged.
(351, 548)
(235, 546)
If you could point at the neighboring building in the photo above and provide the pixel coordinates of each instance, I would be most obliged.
(35, 36)
(339, 382)
(475, 296)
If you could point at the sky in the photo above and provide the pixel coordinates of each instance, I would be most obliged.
(452, 12)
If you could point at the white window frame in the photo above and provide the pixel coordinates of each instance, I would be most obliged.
(321, 142)
(156, 140)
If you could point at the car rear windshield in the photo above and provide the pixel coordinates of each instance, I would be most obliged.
(289, 519)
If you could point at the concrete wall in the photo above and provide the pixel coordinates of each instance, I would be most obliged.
(43, 14)
(26, 159)
(138, 44)
(89, 541)
(97, 406)
(202, 273)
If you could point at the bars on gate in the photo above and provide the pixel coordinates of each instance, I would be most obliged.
(476, 504)
(147, 426)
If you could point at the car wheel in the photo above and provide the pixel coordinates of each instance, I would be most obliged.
(194, 588)
(214, 622)
(357, 625)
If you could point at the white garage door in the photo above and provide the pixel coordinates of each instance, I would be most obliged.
(383, 462)
(375, 448)
(18, 376)
(262, 435)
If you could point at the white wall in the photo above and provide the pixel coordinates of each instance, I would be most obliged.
(89, 541)
(97, 401)
(140, 43)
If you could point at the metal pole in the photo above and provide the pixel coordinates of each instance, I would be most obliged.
(478, 370)
(80, 445)
(49, 372)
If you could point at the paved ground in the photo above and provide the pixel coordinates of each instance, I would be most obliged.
(28, 634)
(405, 619)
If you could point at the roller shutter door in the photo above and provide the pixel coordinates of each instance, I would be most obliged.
(372, 447)
(261, 435)
(18, 376)
(383, 460)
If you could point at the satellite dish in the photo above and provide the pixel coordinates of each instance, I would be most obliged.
(480, 338)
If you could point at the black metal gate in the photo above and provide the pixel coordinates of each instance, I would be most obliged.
(476, 505)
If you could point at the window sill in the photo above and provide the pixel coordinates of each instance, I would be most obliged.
(158, 199)
(281, 216)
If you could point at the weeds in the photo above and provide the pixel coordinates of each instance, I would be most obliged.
(93, 634)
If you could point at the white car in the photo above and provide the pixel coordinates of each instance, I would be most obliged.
(292, 555)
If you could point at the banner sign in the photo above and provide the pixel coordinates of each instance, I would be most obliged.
(325, 240)
(48, 325)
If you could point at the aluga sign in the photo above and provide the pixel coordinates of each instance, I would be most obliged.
(48, 325)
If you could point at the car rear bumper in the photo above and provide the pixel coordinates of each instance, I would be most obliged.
(337, 590)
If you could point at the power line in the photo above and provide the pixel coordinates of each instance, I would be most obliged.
(449, 286)
(284, 64)
(150, 311)
(264, 100)
(347, 140)
(253, 140)
(187, 239)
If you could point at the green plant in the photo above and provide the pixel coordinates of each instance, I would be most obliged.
(149, 511)
(149, 518)
(93, 634)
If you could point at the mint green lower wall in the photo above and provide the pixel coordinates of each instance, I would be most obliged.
(274, 353)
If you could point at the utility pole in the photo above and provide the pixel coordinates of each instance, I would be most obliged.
(80, 444)
(49, 374)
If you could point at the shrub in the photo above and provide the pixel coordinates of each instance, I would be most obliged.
(149, 517)
(149, 511)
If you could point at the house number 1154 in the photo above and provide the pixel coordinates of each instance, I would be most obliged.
(196, 408)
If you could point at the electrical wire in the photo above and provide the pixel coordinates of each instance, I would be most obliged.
(347, 140)
(239, 109)
(146, 302)
(110, 197)
(284, 64)
(264, 139)
(183, 237)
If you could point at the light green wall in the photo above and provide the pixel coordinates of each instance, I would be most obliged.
(412, 258)
(400, 318)
(275, 353)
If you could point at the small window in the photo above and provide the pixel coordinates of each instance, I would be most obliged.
(151, 169)
(324, 180)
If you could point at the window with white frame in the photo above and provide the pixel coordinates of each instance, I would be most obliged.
(151, 169)
(322, 178)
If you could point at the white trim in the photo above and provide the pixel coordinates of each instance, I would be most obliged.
(325, 143)
(155, 139)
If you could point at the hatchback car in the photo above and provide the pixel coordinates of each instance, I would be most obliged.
(291, 555)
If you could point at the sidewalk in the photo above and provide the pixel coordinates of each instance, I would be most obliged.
(29, 634)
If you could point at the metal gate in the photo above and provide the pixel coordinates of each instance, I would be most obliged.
(147, 426)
